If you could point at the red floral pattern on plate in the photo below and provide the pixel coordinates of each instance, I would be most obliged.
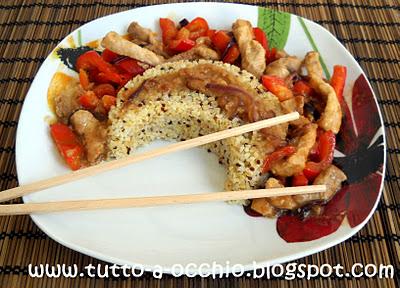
(362, 164)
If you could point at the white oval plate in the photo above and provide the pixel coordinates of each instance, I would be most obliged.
(200, 233)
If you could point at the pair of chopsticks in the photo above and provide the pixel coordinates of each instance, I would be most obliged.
(45, 207)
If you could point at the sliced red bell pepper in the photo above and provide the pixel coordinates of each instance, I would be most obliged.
(125, 79)
(84, 79)
(271, 55)
(130, 66)
(314, 152)
(220, 40)
(67, 144)
(338, 80)
(276, 156)
(232, 54)
(183, 33)
(198, 27)
(275, 80)
(104, 89)
(92, 60)
(277, 86)
(109, 55)
(261, 38)
(89, 100)
(181, 45)
(299, 180)
(302, 88)
(326, 147)
(211, 33)
(168, 29)
(108, 102)
(312, 170)
(99, 77)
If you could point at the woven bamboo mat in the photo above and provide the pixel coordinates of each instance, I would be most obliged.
(29, 31)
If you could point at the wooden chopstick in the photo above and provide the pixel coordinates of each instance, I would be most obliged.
(78, 205)
(110, 165)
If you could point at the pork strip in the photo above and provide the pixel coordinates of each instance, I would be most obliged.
(116, 43)
(280, 202)
(64, 92)
(146, 37)
(331, 118)
(92, 132)
(201, 51)
(262, 205)
(332, 177)
(312, 64)
(252, 52)
(283, 67)
(296, 162)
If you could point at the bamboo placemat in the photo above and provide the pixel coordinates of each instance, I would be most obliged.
(30, 30)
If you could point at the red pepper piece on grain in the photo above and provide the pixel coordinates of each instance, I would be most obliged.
(67, 144)
(277, 86)
(276, 156)
(338, 80)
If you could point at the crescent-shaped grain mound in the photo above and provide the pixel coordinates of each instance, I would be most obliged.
(186, 114)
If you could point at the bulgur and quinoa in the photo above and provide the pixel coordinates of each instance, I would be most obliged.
(186, 114)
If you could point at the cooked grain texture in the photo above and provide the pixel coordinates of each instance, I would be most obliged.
(187, 114)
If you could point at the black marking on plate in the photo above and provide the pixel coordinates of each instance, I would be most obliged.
(69, 55)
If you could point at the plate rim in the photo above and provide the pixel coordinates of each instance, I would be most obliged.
(248, 266)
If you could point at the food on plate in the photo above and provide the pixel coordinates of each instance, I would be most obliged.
(118, 44)
(251, 51)
(193, 80)
(187, 99)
